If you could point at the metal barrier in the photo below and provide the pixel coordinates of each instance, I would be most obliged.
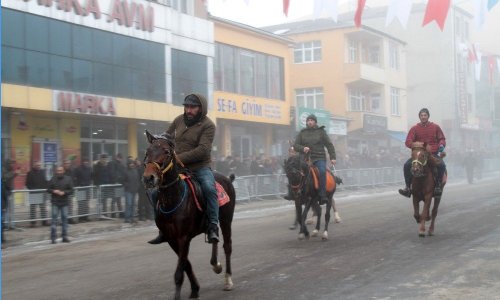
(106, 201)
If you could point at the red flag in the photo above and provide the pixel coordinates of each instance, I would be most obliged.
(472, 55)
(491, 67)
(436, 10)
(286, 4)
(359, 12)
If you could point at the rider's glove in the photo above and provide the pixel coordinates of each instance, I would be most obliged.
(441, 148)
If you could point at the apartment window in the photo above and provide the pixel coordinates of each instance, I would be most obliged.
(356, 99)
(247, 72)
(394, 56)
(352, 52)
(395, 101)
(375, 100)
(307, 52)
(374, 55)
(310, 98)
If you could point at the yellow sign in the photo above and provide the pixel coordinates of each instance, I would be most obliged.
(251, 109)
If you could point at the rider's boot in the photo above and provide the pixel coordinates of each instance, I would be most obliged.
(406, 191)
(213, 233)
(289, 195)
(159, 239)
(322, 199)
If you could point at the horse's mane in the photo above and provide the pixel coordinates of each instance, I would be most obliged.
(166, 137)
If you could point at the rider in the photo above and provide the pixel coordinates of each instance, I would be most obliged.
(194, 134)
(314, 139)
(430, 133)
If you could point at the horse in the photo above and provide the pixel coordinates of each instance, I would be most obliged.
(179, 216)
(301, 180)
(422, 185)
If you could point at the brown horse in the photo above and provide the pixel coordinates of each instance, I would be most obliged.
(422, 186)
(178, 216)
(301, 180)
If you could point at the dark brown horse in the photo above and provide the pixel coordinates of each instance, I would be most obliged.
(301, 180)
(178, 216)
(422, 186)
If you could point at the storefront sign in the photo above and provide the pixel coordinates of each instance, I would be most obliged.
(372, 123)
(323, 117)
(83, 103)
(338, 127)
(237, 107)
(49, 152)
(123, 13)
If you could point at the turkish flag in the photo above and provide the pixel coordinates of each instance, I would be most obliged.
(359, 12)
(436, 10)
(286, 4)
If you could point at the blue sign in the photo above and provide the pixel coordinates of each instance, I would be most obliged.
(50, 152)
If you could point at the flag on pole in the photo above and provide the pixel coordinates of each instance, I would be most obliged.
(359, 12)
(491, 67)
(398, 9)
(286, 4)
(437, 10)
(472, 56)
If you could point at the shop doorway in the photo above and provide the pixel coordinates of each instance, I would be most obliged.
(241, 146)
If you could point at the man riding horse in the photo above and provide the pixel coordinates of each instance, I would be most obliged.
(430, 133)
(194, 134)
(314, 139)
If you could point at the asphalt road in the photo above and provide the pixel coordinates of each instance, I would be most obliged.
(375, 253)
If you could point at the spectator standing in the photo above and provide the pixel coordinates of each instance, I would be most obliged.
(144, 208)
(131, 186)
(61, 189)
(35, 180)
(83, 178)
(9, 172)
(69, 171)
(101, 177)
(117, 173)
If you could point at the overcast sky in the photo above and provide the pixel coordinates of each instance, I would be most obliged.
(260, 13)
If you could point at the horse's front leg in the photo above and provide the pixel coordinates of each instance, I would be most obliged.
(327, 219)
(298, 214)
(214, 261)
(337, 218)
(228, 250)
(184, 265)
(317, 209)
(435, 207)
(416, 208)
(304, 233)
(423, 216)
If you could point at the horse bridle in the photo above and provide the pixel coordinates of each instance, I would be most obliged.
(417, 161)
(163, 171)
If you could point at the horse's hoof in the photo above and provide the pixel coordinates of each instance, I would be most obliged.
(228, 283)
(301, 236)
(324, 237)
(194, 296)
(421, 234)
(217, 268)
(315, 233)
(337, 219)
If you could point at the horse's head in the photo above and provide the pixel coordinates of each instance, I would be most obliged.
(419, 158)
(159, 159)
(295, 169)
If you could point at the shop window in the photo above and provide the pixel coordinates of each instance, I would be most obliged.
(37, 33)
(14, 69)
(13, 23)
(38, 68)
(60, 73)
(60, 37)
(189, 75)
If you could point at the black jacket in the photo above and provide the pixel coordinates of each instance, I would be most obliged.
(83, 176)
(35, 179)
(63, 183)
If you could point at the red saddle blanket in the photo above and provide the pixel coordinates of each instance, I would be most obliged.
(222, 196)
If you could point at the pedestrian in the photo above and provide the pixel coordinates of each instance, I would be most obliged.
(9, 172)
(131, 186)
(61, 189)
(83, 180)
(101, 177)
(69, 171)
(35, 180)
(117, 174)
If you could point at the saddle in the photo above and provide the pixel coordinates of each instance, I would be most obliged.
(196, 190)
(331, 182)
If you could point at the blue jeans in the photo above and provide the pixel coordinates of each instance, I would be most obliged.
(129, 206)
(321, 165)
(206, 179)
(64, 220)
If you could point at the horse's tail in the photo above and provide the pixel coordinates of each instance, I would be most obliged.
(232, 177)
